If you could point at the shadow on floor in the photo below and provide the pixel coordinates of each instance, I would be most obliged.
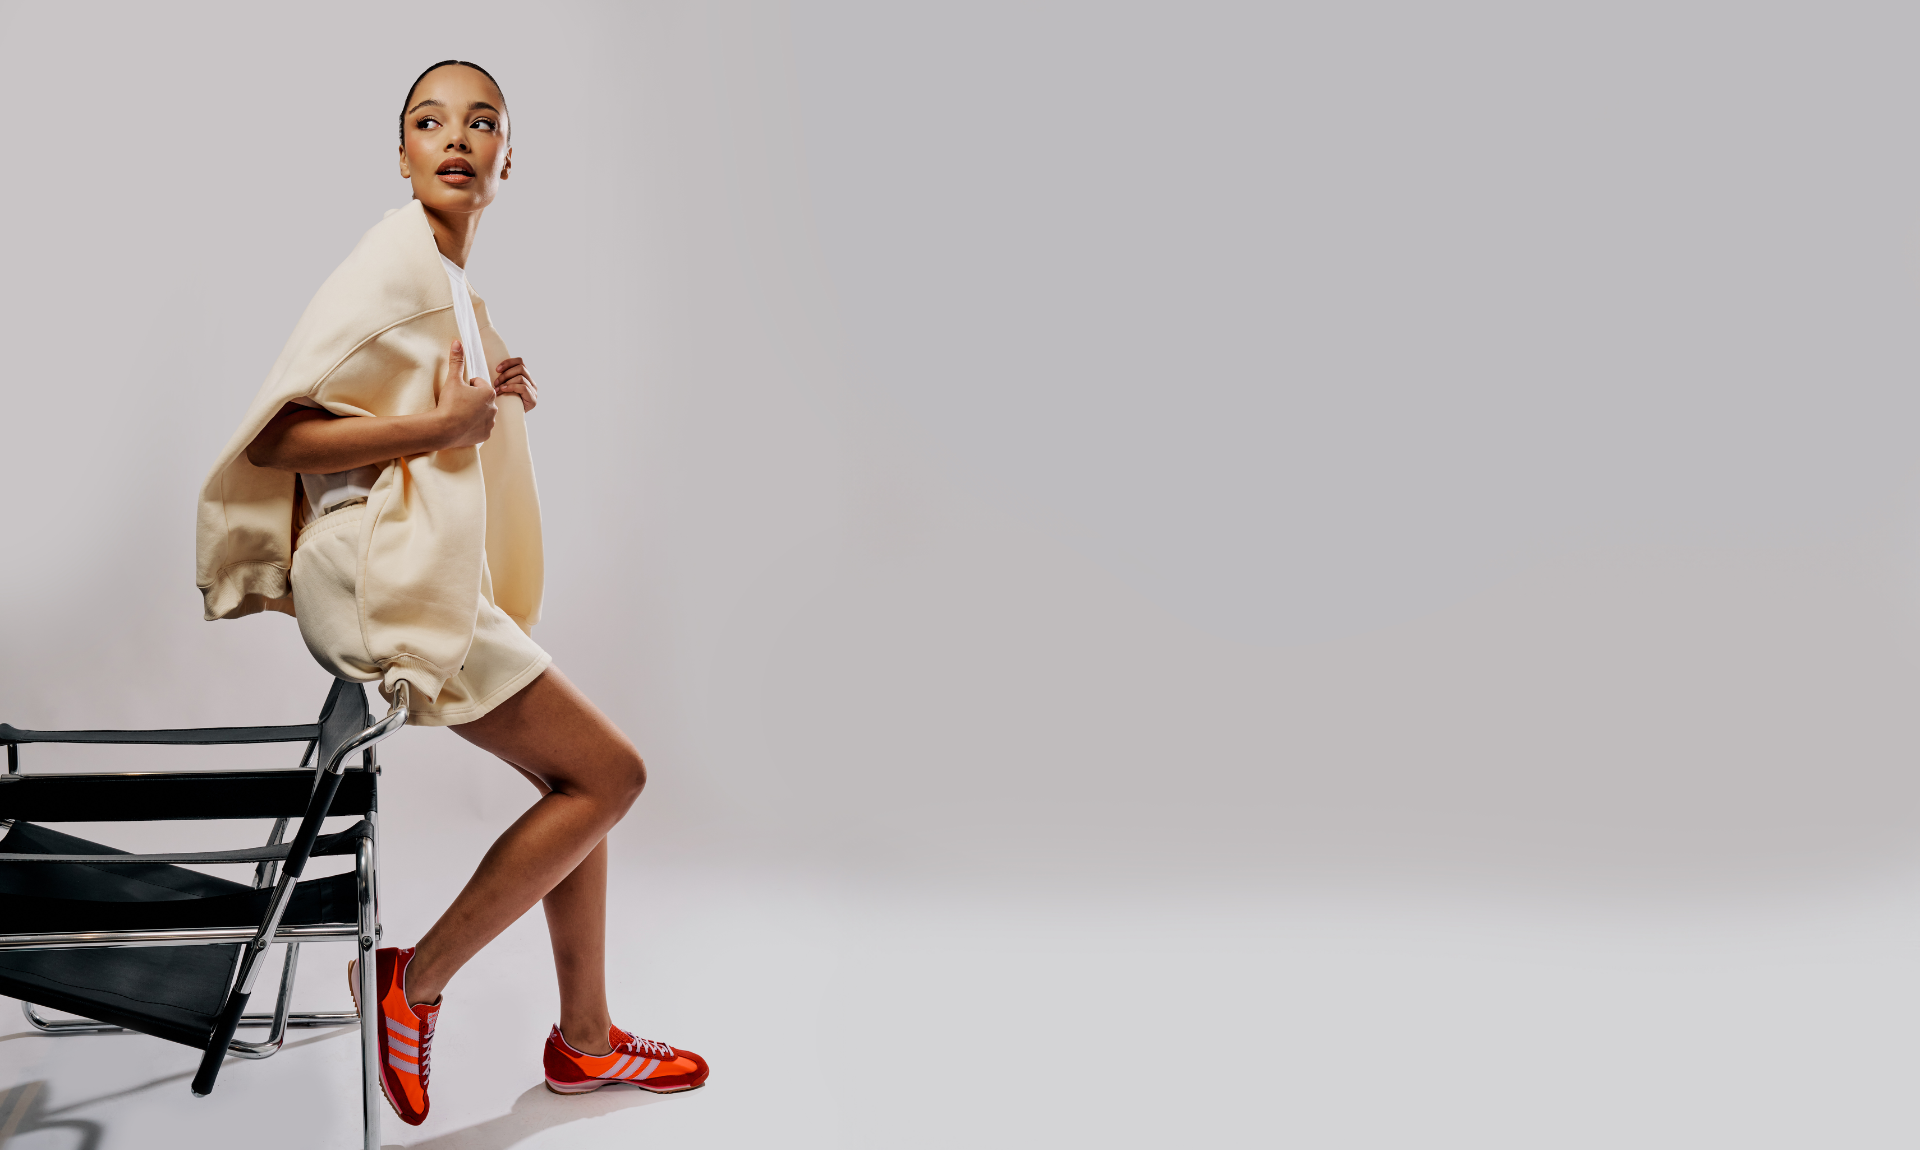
(23, 1108)
(536, 1110)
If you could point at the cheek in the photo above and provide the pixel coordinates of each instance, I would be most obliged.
(420, 155)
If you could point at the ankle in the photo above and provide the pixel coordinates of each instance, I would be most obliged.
(421, 985)
(425, 994)
(600, 1044)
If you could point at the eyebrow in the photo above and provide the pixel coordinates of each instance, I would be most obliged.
(437, 104)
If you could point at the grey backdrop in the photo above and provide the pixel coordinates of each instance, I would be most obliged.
(1393, 481)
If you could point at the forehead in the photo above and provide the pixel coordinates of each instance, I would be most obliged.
(457, 86)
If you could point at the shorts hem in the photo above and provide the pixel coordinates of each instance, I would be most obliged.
(432, 717)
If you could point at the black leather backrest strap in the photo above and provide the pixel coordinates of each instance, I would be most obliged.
(343, 842)
(191, 737)
(177, 795)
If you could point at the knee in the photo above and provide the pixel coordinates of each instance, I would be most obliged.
(629, 777)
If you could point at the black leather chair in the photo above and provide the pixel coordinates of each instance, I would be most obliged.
(139, 941)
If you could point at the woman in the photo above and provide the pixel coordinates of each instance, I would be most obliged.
(381, 491)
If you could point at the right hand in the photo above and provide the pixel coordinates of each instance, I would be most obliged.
(466, 408)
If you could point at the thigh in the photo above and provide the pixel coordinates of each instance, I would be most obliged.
(553, 734)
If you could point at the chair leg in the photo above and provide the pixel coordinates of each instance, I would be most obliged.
(296, 1020)
(278, 1034)
(371, 1100)
(62, 1026)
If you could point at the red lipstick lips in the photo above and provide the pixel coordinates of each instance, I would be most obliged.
(454, 171)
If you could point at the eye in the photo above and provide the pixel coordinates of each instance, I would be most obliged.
(426, 123)
(487, 123)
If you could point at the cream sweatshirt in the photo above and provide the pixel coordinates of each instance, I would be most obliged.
(445, 529)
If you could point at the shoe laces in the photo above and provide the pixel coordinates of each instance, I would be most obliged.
(426, 1052)
(646, 1048)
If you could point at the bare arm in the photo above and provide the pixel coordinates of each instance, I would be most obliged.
(310, 440)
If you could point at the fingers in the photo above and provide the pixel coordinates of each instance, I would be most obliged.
(476, 412)
(523, 389)
(512, 378)
(457, 364)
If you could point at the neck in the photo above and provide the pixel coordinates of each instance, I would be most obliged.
(453, 232)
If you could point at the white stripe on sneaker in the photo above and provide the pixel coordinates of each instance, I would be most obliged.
(405, 1067)
(402, 1028)
(614, 1070)
(404, 1047)
(644, 1070)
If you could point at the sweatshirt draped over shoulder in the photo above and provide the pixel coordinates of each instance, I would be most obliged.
(445, 529)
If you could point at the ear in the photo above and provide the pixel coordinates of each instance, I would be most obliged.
(506, 166)
(406, 169)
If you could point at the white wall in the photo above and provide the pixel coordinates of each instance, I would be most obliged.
(1387, 453)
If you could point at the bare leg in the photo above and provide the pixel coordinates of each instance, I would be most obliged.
(577, 928)
(577, 924)
(592, 774)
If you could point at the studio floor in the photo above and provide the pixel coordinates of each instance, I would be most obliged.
(832, 1018)
(896, 1016)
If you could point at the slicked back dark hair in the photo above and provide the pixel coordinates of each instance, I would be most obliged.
(408, 102)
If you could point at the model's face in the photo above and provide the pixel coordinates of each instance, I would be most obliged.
(456, 149)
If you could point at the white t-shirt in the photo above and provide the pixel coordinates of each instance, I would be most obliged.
(323, 491)
(463, 318)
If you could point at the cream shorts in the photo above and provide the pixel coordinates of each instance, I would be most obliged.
(326, 564)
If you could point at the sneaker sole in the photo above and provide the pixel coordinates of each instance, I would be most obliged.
(353, 988)
(592, 1085)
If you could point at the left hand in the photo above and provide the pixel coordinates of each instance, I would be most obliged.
(511, 378)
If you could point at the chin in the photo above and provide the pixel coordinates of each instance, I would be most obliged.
(440, 197)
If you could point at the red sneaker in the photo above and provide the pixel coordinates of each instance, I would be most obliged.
(647, 1064)
(405, 1035)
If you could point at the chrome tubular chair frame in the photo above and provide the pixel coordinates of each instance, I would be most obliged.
(278, 867)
